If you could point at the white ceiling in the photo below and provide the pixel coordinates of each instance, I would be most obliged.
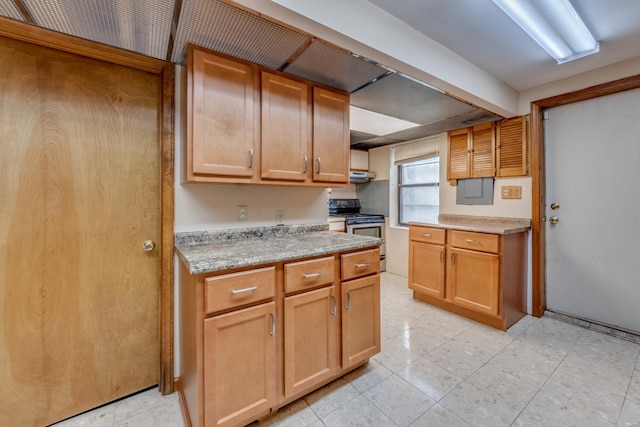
(481, 33)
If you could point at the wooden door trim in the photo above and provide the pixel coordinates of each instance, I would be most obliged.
(165, 70)
(538, 182)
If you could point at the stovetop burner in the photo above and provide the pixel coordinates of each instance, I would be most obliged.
(350, 210)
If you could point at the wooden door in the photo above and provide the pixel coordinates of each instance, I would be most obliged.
(360, 319)
(239, 365)
(286, 134)
(458, 158)
(592, 157)
(223, 116)
(483, 151)
(311, 331)
(473, 280)
(79, 194)
(330, 136)
(426, 269)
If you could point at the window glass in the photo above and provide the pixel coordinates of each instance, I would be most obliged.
(418, 191)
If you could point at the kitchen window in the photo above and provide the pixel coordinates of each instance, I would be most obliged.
(418, 190)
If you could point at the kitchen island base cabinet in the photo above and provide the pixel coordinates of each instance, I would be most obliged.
(239, 364)
(484, 278)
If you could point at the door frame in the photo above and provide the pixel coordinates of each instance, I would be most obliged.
(165, 70)
(538, 181)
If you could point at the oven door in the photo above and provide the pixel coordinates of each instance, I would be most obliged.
(371, 229)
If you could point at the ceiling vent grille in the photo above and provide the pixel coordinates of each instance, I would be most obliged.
(221, 27)
(139, 26)
(334, 67)
(8, 9)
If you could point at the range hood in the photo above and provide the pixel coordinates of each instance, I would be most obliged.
(360, 177)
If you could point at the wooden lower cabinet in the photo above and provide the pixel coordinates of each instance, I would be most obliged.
(360, 319)
(239, 365)
(478, 275)
(253, 340)
(311, 339)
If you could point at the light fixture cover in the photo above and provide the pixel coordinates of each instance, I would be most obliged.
(553, 24)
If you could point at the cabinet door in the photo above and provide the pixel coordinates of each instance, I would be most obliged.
(458, 155)
(223, 116)
(330, 136)
(473, 280)
(360, 319)
(426, 269)
(511, 147)
(311, 331)
(483, 144)
(285, 128)
(239, 365)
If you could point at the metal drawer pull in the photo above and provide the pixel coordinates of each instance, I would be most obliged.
(273, 324)
(334, 310)
(348, 307)
(451, 259)
(426, 235)
(319, 164)
(475, 242)
(310, 275)
(306, 162)
(441, 256)
(366, 264)
(251, 158)
(239, 291)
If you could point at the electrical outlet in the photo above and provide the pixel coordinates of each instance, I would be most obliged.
(279, 217)
(511, 192)
(241, 212)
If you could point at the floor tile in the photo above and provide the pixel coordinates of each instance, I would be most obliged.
(358, 412)
(101, 417)
(439, 416)
(367, 376)
(430, 378)
(514, 391)
(330, 397)
(295, 414)
(479, 408)
(553, 333)
(399, 400)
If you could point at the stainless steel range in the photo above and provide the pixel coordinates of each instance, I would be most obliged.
(366, 224)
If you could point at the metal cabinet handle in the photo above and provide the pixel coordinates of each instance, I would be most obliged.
(310, 275)
(441, 256)
(452, 263)
(475, 242)
(366, 264)
(348, 307)
(240, 291)
(334, 310)
(250, 158)
(319, 164)
(273, 324)
(148, 245)
(426, 235)
(306, 162)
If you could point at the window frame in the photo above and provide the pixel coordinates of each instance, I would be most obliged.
(401, 185)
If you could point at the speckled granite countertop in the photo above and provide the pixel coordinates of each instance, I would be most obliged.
(209, 251)
(481, 224)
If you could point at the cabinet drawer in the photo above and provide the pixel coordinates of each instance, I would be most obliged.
(308, 274)
(427, 234)
(238, 289)
(475, 241)
(358, 264)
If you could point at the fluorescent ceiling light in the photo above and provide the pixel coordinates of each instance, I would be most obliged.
(553, 24)
(375, 123)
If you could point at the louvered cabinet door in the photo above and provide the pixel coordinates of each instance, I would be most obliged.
(511, 147)
(483, 151)
(458, 157)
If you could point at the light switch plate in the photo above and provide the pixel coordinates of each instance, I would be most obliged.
(511, 192)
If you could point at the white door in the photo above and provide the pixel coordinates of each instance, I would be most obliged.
(593, 174)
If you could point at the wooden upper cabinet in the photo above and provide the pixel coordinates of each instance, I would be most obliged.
(222, 116)
(330, 136)
(286, 134)
(459, 154)
(472, 152)
(483, 142)
(511, 147)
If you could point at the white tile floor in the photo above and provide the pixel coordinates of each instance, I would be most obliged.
(439, 369)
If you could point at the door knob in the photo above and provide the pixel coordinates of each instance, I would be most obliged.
(554, 220)
(148, 245)
(555, 206)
